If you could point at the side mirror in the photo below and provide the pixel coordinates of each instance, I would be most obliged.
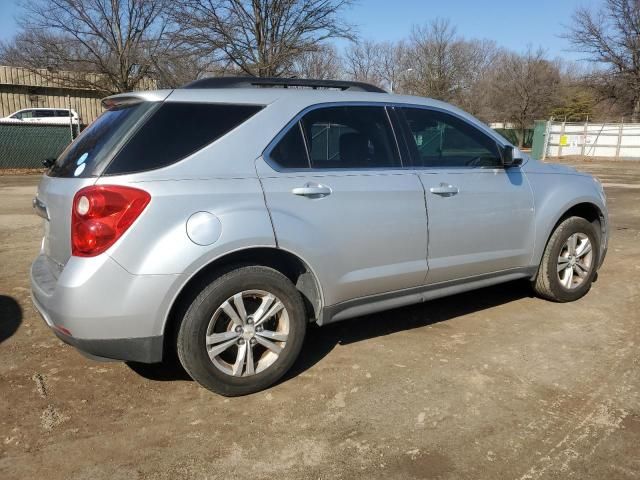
(510, 156)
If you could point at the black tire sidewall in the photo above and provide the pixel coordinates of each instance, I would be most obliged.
(565, 230)
(191, 336)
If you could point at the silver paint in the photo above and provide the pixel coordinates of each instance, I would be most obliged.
(372, 238)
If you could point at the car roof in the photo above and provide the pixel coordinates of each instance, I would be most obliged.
(301, 97)
(266, 96)
(291, 101)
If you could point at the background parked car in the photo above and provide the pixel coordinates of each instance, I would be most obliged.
(51, 116)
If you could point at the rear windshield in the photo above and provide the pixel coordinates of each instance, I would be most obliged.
(95, 146)
(146, 136)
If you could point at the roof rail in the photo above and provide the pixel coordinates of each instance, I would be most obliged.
(266, 82)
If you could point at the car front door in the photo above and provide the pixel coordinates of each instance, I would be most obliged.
(339, 199)
(480, 213)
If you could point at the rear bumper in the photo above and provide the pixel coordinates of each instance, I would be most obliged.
(142, 349)
(101, 309)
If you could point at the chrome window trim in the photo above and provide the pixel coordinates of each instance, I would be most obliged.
(395, 137)
(490, 135)
(266, 153)
(304, 142)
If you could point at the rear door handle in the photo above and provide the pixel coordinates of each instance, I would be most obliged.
(312, 190)
(445, 190)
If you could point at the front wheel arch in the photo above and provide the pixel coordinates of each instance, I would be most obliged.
(587, 210)
(548, 282)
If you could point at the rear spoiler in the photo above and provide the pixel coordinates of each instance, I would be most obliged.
(127, 99)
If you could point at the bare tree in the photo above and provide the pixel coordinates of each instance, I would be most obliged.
(611, 37)
(474, 61)
(446, 66)
(112, 45)
(260, 37)
(179, 66)
(379, 63)
(434, 53)
(323, 63)
(523, 88)
(361, 62)
(393, 65)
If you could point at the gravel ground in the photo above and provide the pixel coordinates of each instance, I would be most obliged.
(489, 384)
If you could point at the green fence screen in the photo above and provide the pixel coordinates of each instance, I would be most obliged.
(538, 139)
(27, 145)
(514, 135)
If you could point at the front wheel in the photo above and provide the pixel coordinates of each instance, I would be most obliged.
(243, 332)
(569, 261)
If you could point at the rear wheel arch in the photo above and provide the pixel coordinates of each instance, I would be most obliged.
(285, 262)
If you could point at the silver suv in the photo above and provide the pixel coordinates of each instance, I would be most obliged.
(218, 220)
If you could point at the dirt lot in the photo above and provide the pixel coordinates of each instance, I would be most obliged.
(491, 384)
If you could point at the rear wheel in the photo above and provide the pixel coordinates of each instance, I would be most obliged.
(569, 262)
(243, 332)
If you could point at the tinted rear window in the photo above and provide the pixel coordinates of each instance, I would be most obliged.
(350, 137)
(290, 151)
(98, 142)
(175, 131)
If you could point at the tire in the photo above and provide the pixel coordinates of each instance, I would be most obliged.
(214, 341)
(554, 280)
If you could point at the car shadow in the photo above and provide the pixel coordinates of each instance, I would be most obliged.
(169, 370)
(321, 341)
(10, 317)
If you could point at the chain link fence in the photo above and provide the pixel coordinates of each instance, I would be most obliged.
(28, 145)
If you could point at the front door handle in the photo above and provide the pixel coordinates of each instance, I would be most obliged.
(312, 190)
(445, 190)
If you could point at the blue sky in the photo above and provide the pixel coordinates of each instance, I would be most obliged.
(511, 23)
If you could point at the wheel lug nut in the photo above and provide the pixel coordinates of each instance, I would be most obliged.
(250, 321)
(241, 341)
(253, 341)
(238, 329)
(259, 328)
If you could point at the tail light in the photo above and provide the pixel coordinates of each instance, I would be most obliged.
(101, 214)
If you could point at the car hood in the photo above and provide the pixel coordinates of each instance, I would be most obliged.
(536, 166)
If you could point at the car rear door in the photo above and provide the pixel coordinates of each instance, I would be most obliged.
(480, 214)
(339, 199)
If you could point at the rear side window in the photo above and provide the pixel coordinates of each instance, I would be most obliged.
(98, 142)
(175, 131)
(350, 137)
(337, 138)
(290, 151)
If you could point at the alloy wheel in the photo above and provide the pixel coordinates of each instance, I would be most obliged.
(247, 333)
(575, 261)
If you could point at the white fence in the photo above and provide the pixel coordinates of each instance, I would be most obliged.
(615, 140)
